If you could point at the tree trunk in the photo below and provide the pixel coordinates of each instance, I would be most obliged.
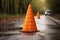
(0, 5)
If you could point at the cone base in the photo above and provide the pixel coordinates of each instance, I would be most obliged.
(37, 18)
(29, 31)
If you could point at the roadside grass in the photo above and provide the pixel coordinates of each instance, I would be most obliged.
(2, 16)
(5, 16)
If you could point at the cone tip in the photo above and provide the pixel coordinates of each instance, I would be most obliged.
(30, 5)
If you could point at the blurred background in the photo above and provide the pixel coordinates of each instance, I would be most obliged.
(14, 7)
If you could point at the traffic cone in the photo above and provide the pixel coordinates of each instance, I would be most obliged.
(29, 23)
(38, 15)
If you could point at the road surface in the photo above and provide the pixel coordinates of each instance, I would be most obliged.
(49, 30)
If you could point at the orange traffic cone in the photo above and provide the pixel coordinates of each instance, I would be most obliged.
(38, 15)
(29, 23)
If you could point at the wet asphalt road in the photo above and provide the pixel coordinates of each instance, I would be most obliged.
(49, 30)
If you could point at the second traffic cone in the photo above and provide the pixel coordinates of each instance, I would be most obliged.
(38, 15)
(29, 23)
